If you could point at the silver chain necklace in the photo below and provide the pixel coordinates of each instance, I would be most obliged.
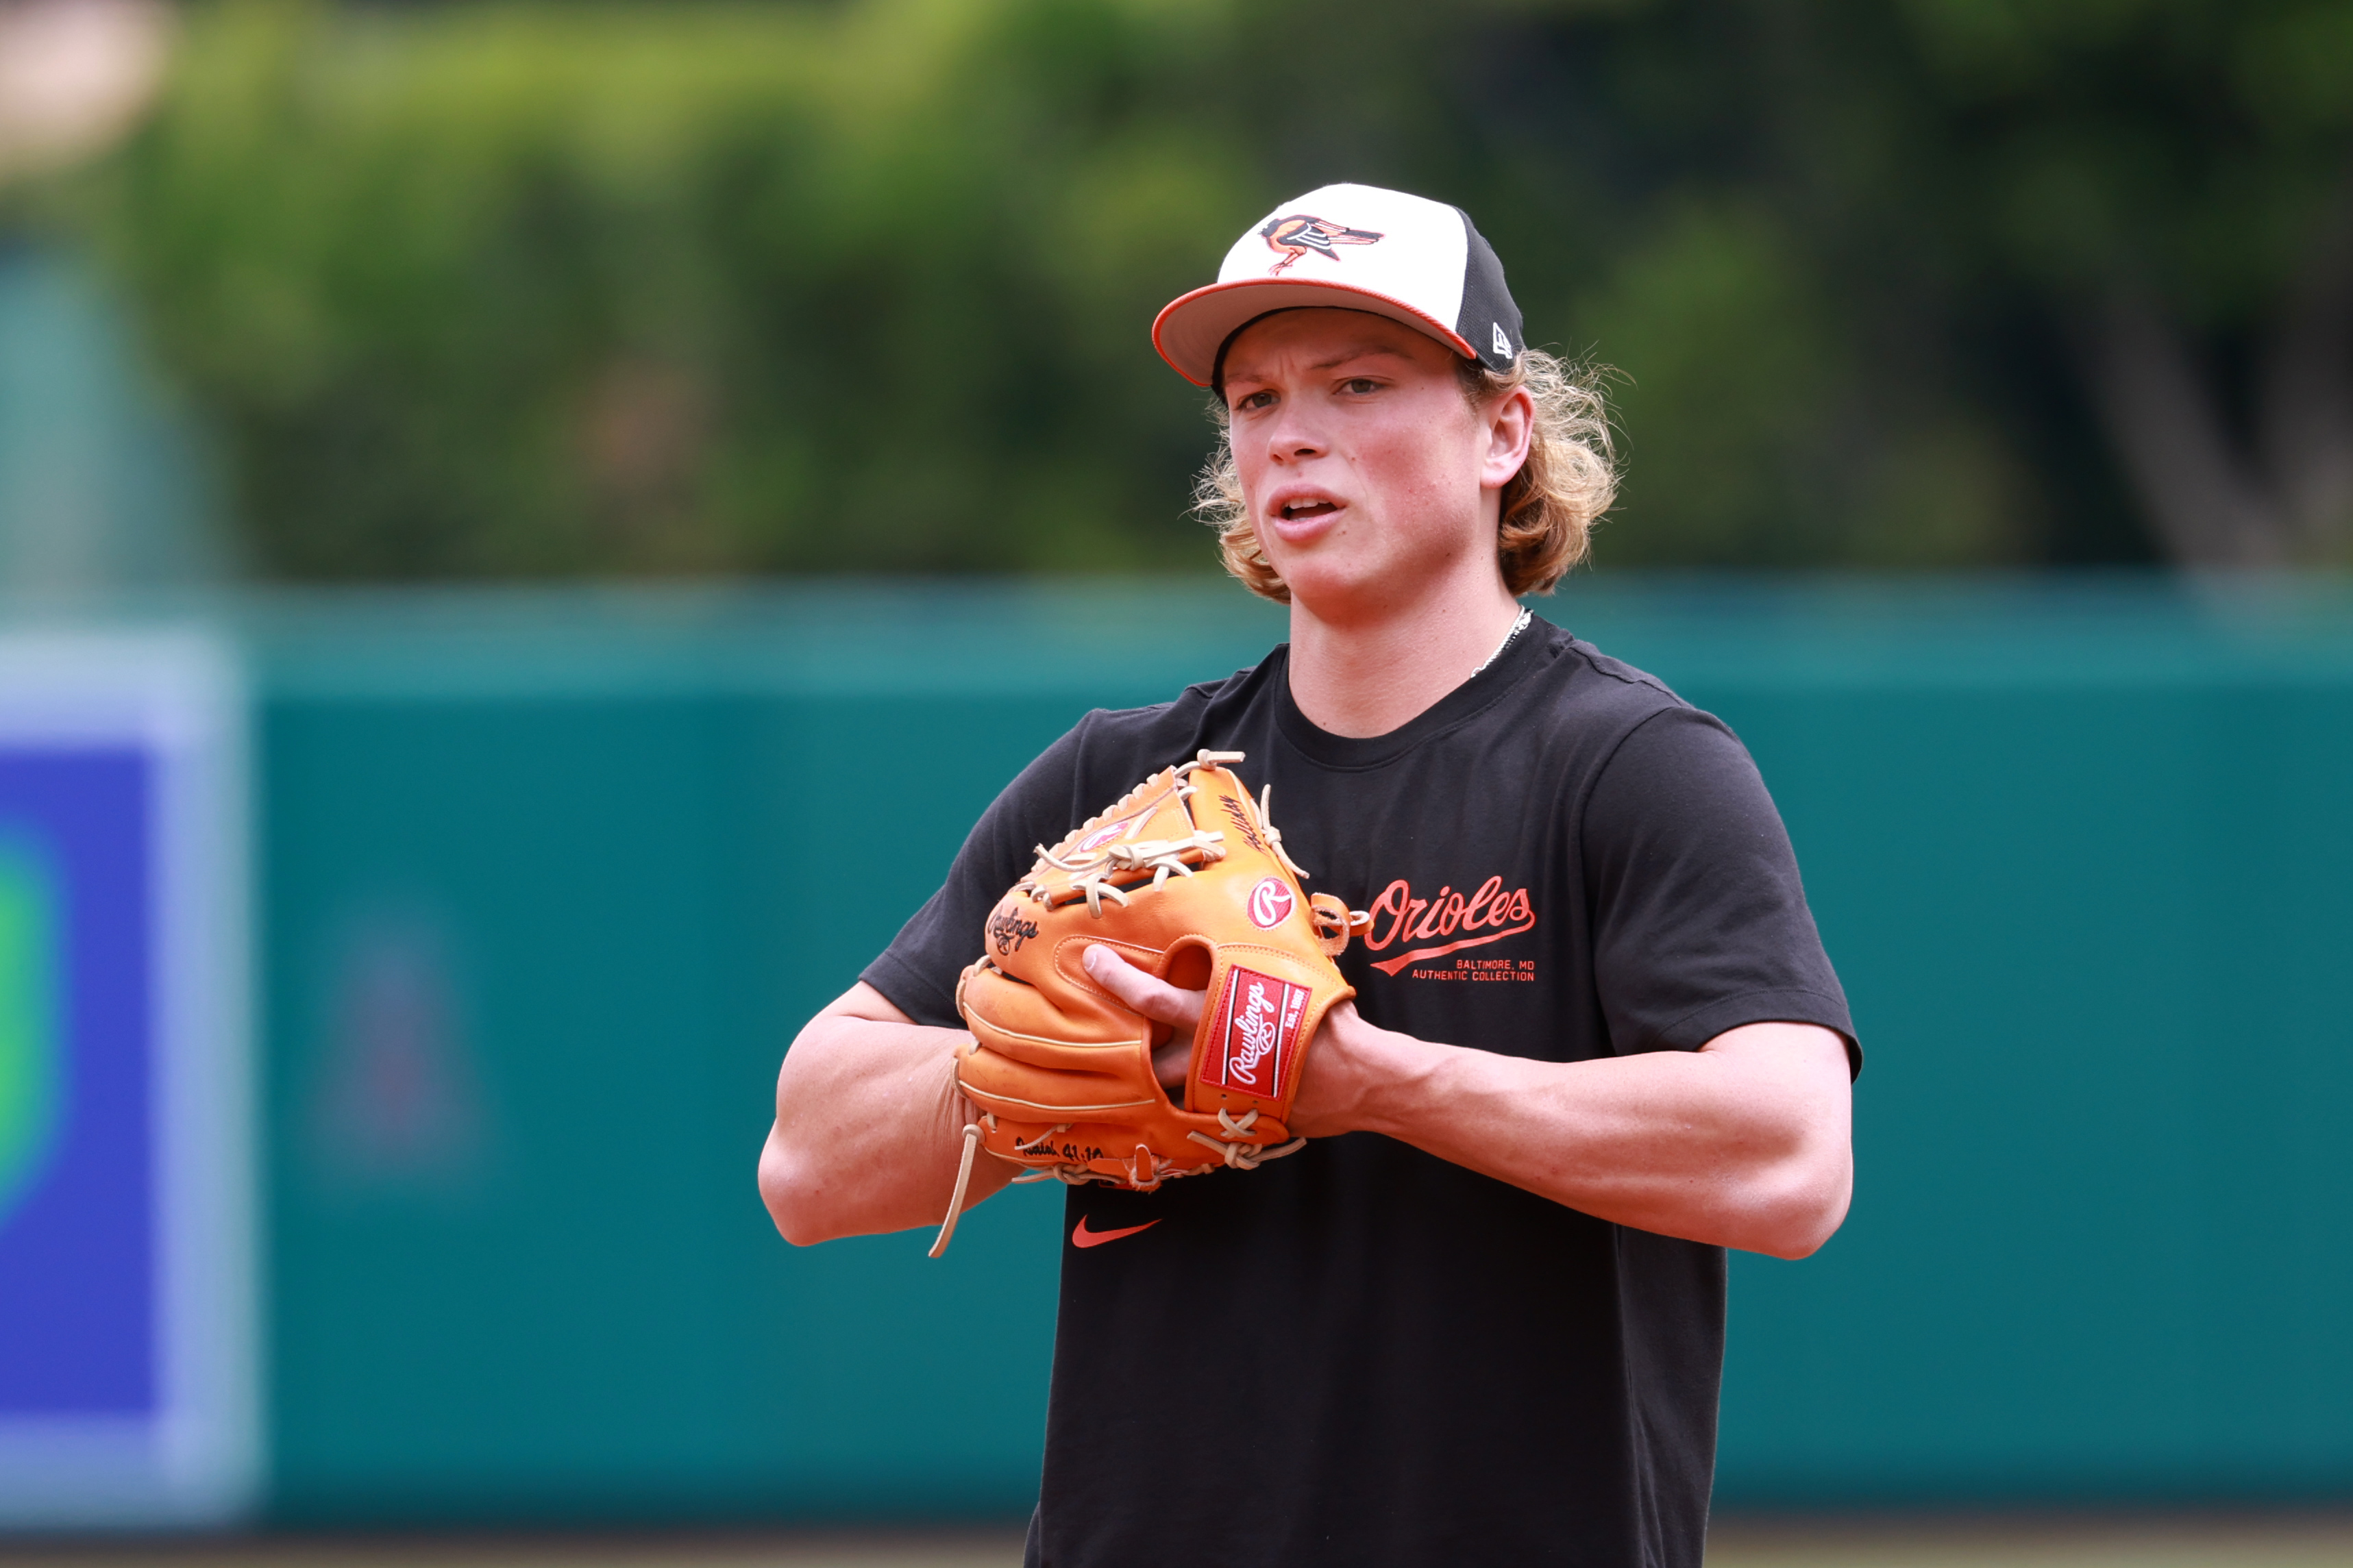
(1526, 614)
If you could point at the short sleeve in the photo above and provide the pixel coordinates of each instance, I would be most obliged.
(918, 971)
(1700, 919)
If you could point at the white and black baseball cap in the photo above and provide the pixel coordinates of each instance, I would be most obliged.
(1353, 247)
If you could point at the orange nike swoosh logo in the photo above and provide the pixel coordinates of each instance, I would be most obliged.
(1081, 1236)
(1391, 965)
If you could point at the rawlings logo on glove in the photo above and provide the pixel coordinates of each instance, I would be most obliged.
(1184, 876)
(1257, 1020)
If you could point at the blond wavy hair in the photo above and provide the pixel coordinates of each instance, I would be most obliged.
(1549, 507)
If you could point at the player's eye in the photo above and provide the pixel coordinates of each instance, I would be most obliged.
(1360, 385)
(1252, 401)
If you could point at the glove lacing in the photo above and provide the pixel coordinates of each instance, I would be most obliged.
(964, 1179)
(1091, 871)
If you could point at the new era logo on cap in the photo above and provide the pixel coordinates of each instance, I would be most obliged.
(1356, 247)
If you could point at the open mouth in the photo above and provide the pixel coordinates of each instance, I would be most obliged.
(1301, 509)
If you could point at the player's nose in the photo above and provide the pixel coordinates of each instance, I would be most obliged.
(1293, 434)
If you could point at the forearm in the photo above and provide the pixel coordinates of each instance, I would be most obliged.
(1743, 1144)
(868, 1127)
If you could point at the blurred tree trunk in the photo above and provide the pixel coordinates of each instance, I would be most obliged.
(2281, 493)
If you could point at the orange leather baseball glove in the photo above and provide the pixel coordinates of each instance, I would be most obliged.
(1184, 877)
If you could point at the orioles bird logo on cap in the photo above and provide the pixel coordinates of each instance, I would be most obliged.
(1299, 233)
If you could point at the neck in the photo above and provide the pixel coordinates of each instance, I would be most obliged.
(1368, 674)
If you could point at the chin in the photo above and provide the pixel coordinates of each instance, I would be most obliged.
(1325, 591)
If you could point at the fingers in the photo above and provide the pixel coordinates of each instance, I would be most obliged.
(1155, 999)
(1173, 1062)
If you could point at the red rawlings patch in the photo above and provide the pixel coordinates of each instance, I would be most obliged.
(1257, 1033)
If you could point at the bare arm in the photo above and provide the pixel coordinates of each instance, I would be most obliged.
(868, 1125)
(1741, 1144)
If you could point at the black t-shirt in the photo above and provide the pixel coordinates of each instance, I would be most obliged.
(1362, 1353)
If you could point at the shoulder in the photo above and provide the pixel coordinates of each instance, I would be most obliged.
(1175, 729)
(1110, 748)
(1601, 679)
(1599, 699)
(1624, 732)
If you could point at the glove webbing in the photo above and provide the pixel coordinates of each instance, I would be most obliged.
(1091, 871)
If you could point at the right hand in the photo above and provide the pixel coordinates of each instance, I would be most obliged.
(1154, 999)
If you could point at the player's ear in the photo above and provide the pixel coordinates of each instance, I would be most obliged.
(1510, 423)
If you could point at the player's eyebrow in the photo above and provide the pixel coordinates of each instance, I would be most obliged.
(1345, 356)
(1362, 351)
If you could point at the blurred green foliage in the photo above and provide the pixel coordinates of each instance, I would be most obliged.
(529, 288)
(505, 290)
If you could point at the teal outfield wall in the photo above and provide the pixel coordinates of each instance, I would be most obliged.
(548, 883)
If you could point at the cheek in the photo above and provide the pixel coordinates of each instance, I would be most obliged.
(1253, 477)
(1251, 471)
(1440, 477)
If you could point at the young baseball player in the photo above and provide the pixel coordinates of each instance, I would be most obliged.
(1478, 1317)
